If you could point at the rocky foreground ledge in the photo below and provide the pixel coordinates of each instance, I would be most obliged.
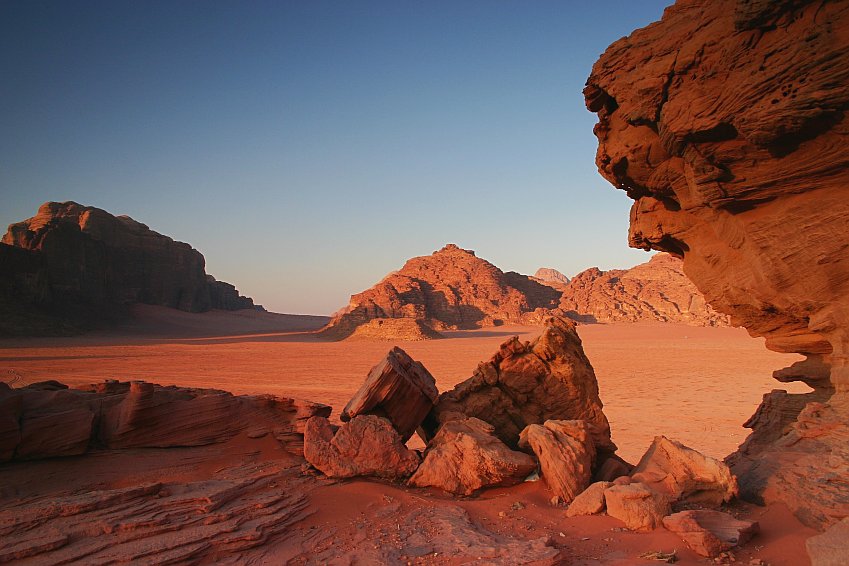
(206, 476)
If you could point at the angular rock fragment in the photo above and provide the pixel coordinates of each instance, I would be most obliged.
(709, 532)
(684, 474)
(549, 378)
(611, 468)
(590, 501)
(465, 456)
(637, 505)
(565, 453)
(365, 446)
(831, 547)
(399, 389)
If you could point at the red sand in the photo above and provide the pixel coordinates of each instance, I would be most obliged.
(693, 384)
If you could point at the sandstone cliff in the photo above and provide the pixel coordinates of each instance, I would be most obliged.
(656, 290)
(450, 289)
(726, 123)
(549, 275)
(74, 264)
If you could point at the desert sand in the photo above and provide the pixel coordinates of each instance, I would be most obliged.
(649, 375)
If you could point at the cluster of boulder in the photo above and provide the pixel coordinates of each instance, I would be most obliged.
(534, 407)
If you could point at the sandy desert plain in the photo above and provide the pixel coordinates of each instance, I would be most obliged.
(693, 384)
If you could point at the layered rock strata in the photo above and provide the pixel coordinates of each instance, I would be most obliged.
(726, 123)
(72, 264)
(450, 289)
(399, 389)
(45, 423)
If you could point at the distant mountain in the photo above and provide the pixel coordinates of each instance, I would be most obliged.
(70, 266)
(549, 275)
(657, 290)
(449, 289)
(454, 289)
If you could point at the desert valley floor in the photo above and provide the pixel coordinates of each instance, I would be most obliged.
(654, 379)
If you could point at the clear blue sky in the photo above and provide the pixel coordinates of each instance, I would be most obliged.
(308, 148)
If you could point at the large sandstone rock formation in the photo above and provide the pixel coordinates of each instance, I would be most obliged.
(51, 421)
(656, 290)
(71, 264)
(394, 329)
(530, 383)
(726, 123)
(549, 275)
(450, 289)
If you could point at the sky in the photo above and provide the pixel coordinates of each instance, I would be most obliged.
(308, 148)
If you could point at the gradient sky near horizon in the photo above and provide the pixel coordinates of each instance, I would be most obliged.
(308, 148)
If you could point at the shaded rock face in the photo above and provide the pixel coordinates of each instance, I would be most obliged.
(399, 389)
(52, 422)
(523, 384)
(466, 456)
(74, 261)
(656, 291)
(450, 289)
(726, 123)
(565, 453)
(365, 446)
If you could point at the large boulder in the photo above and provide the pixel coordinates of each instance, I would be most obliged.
(590, 501)
(565, 453)
(365, 446)
(637, 505)
(708, 532)
(399, 389)
(685, 475)
(465, 456)
(530, 383)
(726, 123)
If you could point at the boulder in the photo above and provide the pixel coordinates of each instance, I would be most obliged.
(685, 475)
(709, 532)
(637, 505)
(399, 389)
(565, 453)
(365, 446)
(831, 547)
(590, 501)
(547, 379)
(466, 456)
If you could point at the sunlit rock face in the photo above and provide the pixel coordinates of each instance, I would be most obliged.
(726, 123)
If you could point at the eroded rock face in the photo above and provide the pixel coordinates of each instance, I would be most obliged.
(398, 388)
(65, 422)
(685, 475)
(726, 123)
(547, 379)
(655, 291)
(466, 456)
(365, 446)
(450, 289)
(74, 264)
(565, 452)
(550, 275)
(708, 532)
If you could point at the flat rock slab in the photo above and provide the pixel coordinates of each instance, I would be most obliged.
(709, 532)
(399, 389)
